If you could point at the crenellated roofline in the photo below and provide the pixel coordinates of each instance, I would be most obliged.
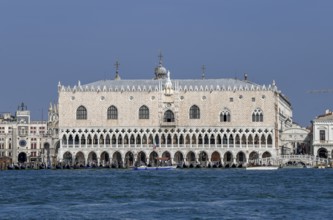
(177, 85)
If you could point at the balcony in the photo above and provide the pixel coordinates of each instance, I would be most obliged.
(168, 124)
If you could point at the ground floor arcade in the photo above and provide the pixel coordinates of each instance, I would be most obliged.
(161, 157)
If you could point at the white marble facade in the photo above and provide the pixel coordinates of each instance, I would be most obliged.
(201, 121)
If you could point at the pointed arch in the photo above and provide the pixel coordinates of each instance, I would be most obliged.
(225, 115)
(181, 139)
(241, 157)
(143, 112)
(101, 139)
(163, 139)
(200, 139)
(175, 139)
(194, 139)
(107, 139)
(81, 113)
(138, 139)
(64, 140)
(126, 140)
(114, 139)
(67, 158)
(120, 139)
(168, 116)
(112, 113)
(225, 139)
(83, 139)
(256, 140)
(179, 158)
(212, 139)
(243, 140)
(253, 155)
(80, 159)
(77, 140)
(144, 139)
(250, 140)
(231, 140)
(257, 115)
(168, 139)
(95, 139)
(89, 139)
(70, 139)
(269, 140)
(194, 112)
(105, 158)
(150, 139)
(218, 139)
(132, 139)
(263, 140)
(266, 154)
(216, 157)
(237, 141)
(188, 139)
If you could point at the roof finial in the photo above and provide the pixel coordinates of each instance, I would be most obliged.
(160, 56)
(117, 64)
(203, 68)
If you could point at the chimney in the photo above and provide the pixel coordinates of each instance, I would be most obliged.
(245, 76)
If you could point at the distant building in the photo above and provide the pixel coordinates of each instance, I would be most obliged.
(296, 140)
(323, 135)
(21, 139)
(191, 121)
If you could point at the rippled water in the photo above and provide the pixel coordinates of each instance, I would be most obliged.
(174, 194)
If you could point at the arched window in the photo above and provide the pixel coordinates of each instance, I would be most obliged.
(81, 113)
(257, 116)
(169, 116)
(144, 112)
(112, 112)
(194, 112)
(225, 116)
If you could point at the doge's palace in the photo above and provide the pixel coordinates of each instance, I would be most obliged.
(189, 122)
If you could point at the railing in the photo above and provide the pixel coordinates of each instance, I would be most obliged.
(282, 159)
(304, 158)
(203, 146)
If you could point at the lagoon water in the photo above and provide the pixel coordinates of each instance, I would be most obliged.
(173, 194)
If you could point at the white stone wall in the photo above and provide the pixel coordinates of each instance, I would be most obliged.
(327, 144)
(128, 103)
(179, 100)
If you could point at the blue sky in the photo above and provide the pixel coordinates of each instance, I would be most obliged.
(43, 42)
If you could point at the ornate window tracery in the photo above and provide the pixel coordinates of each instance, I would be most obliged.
(169, 116)
(144, 112)
(194, 112)
(81, 113)
(112, 112)
(225, 116)
(257, 115)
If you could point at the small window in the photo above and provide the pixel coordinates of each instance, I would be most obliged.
(112, 112)
(144, 112)
(231, 99)
(225, 116)
(253, 99)
(194, 112)
(322, 135)
(257, 116)
(81, 113)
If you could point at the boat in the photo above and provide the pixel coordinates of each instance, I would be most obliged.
(155, 168)
(320, 166)
(262, 168)
(296, 166)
